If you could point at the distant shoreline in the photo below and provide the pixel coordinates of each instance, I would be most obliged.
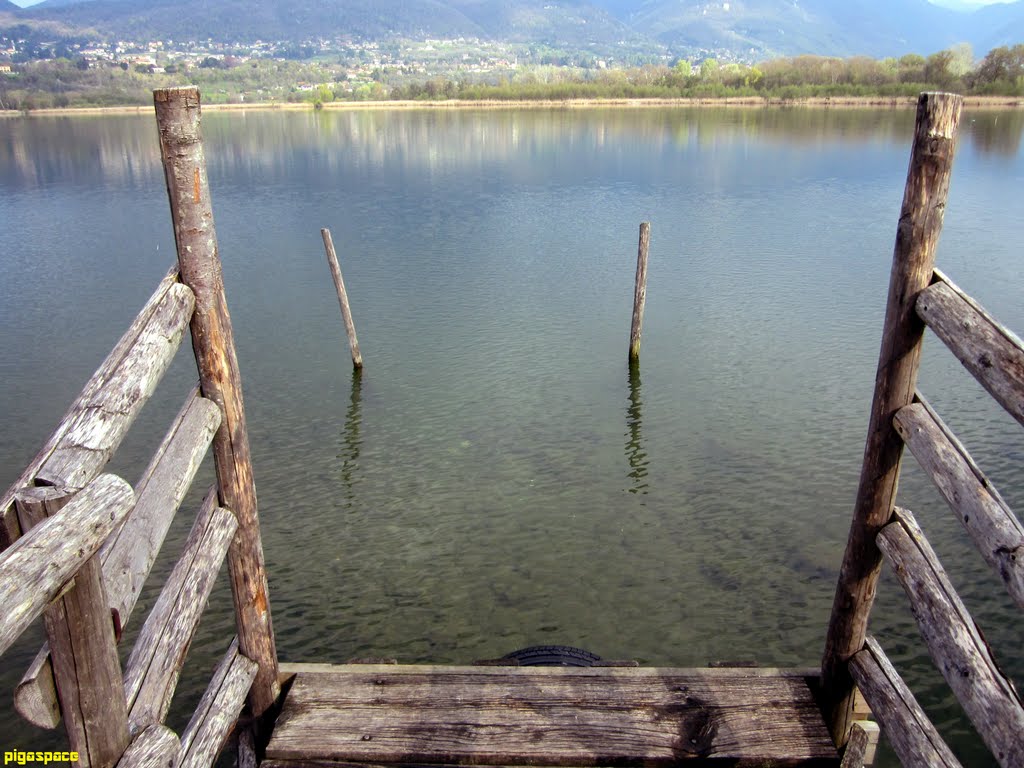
(818, 102)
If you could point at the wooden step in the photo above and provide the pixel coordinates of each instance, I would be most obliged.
(548, 716)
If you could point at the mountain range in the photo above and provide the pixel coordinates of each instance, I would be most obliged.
(749, 28)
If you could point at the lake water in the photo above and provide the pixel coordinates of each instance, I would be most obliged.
(496, 478)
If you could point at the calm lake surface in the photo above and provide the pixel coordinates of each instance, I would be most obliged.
(496, 478)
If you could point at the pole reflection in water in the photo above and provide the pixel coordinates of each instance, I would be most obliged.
(351, 439)
(635, 454)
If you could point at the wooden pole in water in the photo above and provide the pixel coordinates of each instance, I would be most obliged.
(346, 311)
(181, 147)
(924, 201)
(639, 291)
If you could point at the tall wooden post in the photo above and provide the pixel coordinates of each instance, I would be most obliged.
(924, 202)
(181, 147)
(346, 311)
(639, 291)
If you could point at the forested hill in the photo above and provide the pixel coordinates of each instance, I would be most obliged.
(753, 29)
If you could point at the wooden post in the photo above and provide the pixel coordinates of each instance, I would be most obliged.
(181, 148)
(346, 311)
(924, 201)
(639, 291)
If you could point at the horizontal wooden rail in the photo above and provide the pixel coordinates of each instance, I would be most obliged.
(9, 528)
(954, 640)
(910, 732)
(990, 351)
(203, 738)
(991, 524)
(155, 747)
(35, 569)
(152, 670)
(128, 556)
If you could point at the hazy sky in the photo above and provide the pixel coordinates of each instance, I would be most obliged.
(26, 3)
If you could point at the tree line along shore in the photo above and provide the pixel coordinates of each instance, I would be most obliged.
(996, 80)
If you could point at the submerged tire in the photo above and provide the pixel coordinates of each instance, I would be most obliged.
(553, 656)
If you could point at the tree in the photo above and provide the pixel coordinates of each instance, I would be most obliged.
(683, 69)
(708, 69)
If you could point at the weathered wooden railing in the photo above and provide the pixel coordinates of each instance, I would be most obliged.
(84, 544)
(919, 295)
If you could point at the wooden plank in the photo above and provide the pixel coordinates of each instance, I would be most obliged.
(639, 291)
(549, 716)
(35, 569)
(954, 641)
(151, 673)
(920, 222)
(155, 747)
(346, 310)
(181, 149)
(218, 710)
(862, 746)
(993, 354)
(988, 519)
(908, 729)
(106, 414)
(129, 554)
(9, 530)
(80, 633)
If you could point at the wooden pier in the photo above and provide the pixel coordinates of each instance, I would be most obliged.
(77, 546)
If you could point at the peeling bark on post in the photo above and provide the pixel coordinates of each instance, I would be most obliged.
(924, 203)
(181, 147)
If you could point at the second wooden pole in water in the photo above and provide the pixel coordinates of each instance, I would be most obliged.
(346, 311)
(639, 291)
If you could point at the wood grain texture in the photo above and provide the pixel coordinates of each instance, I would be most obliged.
(155, 663)
(106, 414)
(155, 747)
(181, 149)
(549, 716)
(917, 235)
(860, 749)
(218, 710)
(35, 569)
(992, 353)
(129, 554)
(988, 519)
(9, 530)
(954, 641)
(908, 729)
(346, 310)
(639, 291)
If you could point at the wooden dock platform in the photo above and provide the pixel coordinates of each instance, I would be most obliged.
(565, 716)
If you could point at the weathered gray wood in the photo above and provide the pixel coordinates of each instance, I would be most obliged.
(129, 554)
(993, 527)
(954, 640)
(549, 716)
(993, 354)
(155, 747)
(924, 202)
(152, 670)
(181, 149)
(907, 727)
(35, 569)
(106, 414)
(639, 291)
(80, 634)
(9, 530)
(218, 710)
(863, 743)
(346, 311)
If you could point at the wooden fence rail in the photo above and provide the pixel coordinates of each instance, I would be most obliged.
(129, 554)
(114, 362)
(910, 732)
(955, 641)
(989, 521)
(993, 354)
